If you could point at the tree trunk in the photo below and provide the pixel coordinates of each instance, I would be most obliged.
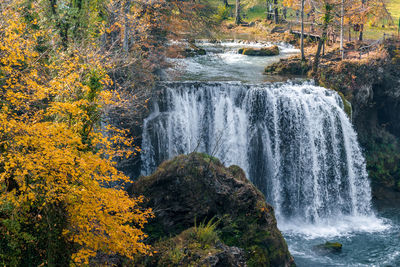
(349, 33)
(327, 19)
(269, 9)
(317, 56)
(64, 34)
(276, 14)
(58, 250)
(360, 38)
(237, 17)
(125, 44)
(53, 4)
(341, 29)
(63, 27)
(302, 31)
(362, 25)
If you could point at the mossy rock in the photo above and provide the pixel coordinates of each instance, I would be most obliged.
(262, 52)
(291, 66)
(186, 249)
(346, 105)
(328, 247)
(192, 52)
(198, 187)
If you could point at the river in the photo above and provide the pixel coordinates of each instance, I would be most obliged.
(294, 142)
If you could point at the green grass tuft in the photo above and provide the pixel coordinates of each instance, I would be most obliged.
(206, 232)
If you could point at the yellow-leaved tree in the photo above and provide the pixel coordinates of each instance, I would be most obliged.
(62, 200)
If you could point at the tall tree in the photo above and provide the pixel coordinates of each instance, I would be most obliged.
(300, 6)
(327, 17)
(276, 12)
(341, 28)
(362, 24)
(238, 20)
(269, 9)
(302, 31)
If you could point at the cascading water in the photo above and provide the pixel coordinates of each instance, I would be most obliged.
(294, 141)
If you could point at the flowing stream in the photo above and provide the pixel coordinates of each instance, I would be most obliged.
(292, 138)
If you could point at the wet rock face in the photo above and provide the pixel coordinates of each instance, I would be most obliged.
(198, 188)
(186, 188)
(372, 85)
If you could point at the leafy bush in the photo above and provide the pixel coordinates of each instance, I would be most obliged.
(223, 13)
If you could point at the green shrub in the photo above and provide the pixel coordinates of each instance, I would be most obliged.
(222, 13)
(206, 232)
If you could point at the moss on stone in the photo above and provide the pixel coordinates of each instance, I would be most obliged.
(185, 249)
(328, 247)
(383, 159)
(262, 52)
(290, 66)
(347, 105)
(198, 187)
(209, 158)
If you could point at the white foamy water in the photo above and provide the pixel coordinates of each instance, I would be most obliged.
(294, 142)
(223, 63)
(343, 226)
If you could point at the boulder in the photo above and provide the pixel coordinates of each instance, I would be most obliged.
(193, 51)
(186, 249)
(196, 188)
(328, 247)
(290, 66)
(267, 51)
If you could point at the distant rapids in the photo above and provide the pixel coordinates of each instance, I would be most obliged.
(294, 141)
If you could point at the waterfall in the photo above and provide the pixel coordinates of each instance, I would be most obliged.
(294, 141)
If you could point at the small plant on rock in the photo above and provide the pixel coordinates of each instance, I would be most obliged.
(206, 233)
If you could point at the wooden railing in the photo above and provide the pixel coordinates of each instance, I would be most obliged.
(368, 48)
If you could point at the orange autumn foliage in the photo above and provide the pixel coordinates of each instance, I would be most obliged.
(54, 152)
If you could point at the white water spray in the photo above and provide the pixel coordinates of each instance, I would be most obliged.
(294, 142)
